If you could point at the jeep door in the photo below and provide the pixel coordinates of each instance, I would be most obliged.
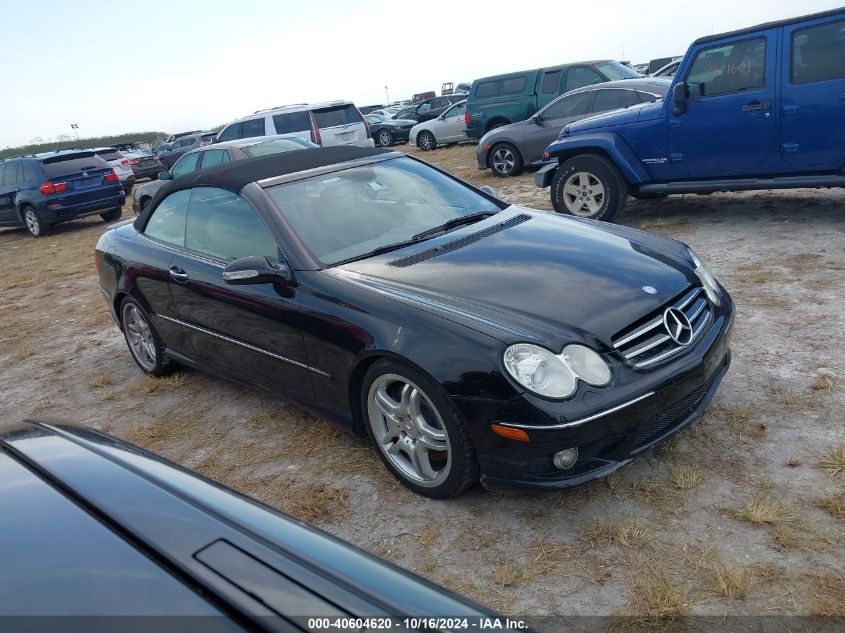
(813, 94)
(729, 123)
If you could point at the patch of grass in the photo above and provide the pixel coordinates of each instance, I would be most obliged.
(686, 477)
(107, 395)
(793, 462)
(314, 503)
(731, 581)
(834, 463)
(22, 352)
(657, 597)
(428, 535)
(151, 384)
(827, 597)
(627, 534)
(103, 379)
(823, 382)
(763, 509)
(506, 574)
(834, 504)
(767, 573)
(660, 494)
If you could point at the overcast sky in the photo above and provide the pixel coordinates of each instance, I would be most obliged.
(132, 65)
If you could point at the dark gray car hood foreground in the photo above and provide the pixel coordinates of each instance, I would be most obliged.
(546, 279)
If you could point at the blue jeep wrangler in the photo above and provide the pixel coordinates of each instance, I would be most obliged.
(760, 108)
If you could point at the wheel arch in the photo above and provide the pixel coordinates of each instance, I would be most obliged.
(496, 121)
(356, 381)
(609, 146)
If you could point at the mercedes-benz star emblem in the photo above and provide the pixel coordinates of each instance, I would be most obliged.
(650, 290)
(677, 326)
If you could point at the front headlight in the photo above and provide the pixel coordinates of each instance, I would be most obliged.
(555, 375)
(711, 286)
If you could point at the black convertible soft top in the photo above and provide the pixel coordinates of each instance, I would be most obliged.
(236, 175)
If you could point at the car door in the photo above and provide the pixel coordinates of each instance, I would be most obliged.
(185, 165)
(545, 126)
(727, 127)
(149, 265)
(813, 94)
(452, 128)
(249, 332)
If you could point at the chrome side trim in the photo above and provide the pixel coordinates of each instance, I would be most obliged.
(242, 344)
(590, 418)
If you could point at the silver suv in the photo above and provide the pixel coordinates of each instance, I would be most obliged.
(326, 124)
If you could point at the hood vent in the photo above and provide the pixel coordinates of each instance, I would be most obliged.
(448, 247)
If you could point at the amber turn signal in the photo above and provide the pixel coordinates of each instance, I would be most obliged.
(512, 434)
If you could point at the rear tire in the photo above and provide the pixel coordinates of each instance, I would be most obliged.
(143, 340)
(426, 141)
(111, 216)
(33, 222)
(385, 138)
(505, 160)
(589, 186)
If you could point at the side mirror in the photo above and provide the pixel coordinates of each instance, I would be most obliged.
(488, 190)
(164, 175)
(536, 119)
(254, 270)
(679, 98)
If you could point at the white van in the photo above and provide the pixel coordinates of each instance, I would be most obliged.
(326, 124)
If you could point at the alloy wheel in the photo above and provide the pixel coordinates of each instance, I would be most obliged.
(426, 141)
(503, 160)
(33, 223)
(409, 430)
(384, 138)
(139, 336)
(583, 194)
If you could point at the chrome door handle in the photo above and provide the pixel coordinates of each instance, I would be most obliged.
(178, 274)
(756, 106)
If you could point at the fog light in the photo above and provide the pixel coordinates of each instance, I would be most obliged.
(565, 458)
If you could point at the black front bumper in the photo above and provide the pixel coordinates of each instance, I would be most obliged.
(616, 435)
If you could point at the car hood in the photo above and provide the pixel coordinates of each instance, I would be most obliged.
(148, 188)
(538, 277)
(631, 114)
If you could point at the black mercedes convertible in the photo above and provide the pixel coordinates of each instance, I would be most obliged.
(469, 338)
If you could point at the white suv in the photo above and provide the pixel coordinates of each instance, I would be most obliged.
(326, 124)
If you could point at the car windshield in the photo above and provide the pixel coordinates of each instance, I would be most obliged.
(345, 215)
(276, 146)
(614, 70)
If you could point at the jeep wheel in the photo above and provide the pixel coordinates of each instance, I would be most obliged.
(589, 186)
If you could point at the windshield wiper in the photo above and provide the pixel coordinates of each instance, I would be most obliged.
(381, 249)
(454, 223)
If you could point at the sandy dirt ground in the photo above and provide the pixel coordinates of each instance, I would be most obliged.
(742, 513)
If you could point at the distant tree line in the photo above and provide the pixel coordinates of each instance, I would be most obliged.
(38, 145)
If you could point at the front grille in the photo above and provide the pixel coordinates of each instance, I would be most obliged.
(648, 342)
(667, 419)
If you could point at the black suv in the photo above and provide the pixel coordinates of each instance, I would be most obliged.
(40, 190)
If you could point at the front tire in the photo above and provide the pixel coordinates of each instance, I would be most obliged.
(111, 216)
(34, 224)
(505, 160)
(385, 138)
(589, 186)
(426, 141)
(143, 339)
(416, 431)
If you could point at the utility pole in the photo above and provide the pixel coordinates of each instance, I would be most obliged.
(386, 96)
